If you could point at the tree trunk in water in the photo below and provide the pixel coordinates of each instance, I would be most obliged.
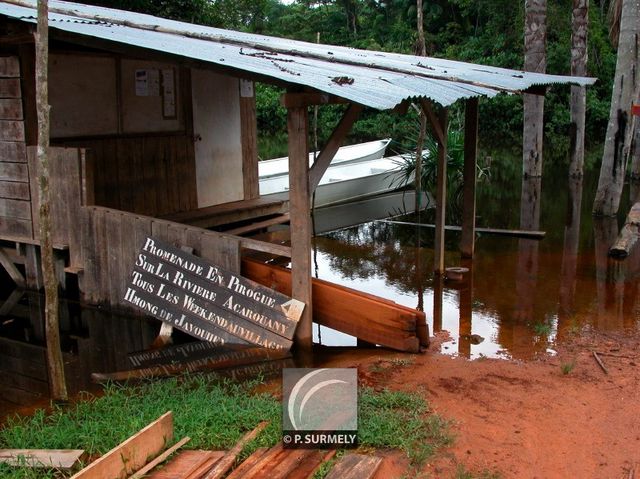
(580, 22)
(535, 60)
(52, 331)
(618, 139)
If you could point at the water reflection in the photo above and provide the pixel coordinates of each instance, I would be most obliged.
(521, 296)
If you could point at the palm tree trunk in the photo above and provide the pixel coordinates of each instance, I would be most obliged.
(616, 147)
(580, 22)
(535, 60)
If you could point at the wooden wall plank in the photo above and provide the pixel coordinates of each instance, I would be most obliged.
(9, 67)
(28, 86)
(11, 130)
(10, 109)
(14, 172)
(173, 188)
(14, 152)
(150, 183)
(117, 275)
(102, 266)
(10, 88)
(16, 228)
(87, 281)
(32, 177)
(18, 209)
(73, 198)
(221, 250)
(132, 454)
(14, 190)
(58, 184)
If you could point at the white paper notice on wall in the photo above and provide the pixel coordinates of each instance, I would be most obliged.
(168, 93)
(246, 88)
(148, 82)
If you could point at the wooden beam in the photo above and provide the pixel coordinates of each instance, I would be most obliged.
(301, 100)
(132, 454)
(467, 241)
(441, 195)
(434, 121)
(18, 39)
(15, 274)
(329, 151)
(249, 138)
(42, 458)
(299, 197)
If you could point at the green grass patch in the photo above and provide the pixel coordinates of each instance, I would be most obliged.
(214, 414)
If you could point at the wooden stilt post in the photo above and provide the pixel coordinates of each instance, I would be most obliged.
(52, 331)
(441, 194)
(467, 242)
(299, 197)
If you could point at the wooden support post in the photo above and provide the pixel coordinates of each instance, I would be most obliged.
(249, 136)
(54, 354)
(299, 197)
(467, 242)
(441, 195)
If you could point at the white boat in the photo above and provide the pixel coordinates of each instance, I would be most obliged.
(356, 172)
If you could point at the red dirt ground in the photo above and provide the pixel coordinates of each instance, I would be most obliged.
(525, 419)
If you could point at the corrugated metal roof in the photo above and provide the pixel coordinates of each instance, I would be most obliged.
(376, 79)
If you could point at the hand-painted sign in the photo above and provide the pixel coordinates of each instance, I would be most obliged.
(209, 302)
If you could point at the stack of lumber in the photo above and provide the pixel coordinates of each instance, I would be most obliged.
(365, 316)
(145, 455)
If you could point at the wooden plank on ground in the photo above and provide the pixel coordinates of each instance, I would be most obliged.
(14, 190)
(185, 464)
(361, 315)
(161, 458)
(42, 458)
(133, 453)
(243, 469)
(355, 466)
(223, 466)
(13, 171)
(11, 130)
(13, 152)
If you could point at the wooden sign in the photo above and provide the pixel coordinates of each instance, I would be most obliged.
(209, 302)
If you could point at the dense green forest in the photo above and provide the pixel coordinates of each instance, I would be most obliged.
(480, 31)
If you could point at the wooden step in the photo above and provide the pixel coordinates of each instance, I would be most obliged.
(250, 228)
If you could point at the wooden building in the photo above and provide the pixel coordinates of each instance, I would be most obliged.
(153, 129)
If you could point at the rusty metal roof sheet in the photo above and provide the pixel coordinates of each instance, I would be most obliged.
(377, 79)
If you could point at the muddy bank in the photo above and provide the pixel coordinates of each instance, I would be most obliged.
(556, 417)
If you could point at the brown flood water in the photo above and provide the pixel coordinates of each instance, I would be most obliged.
(521, 296)
(519, 300)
